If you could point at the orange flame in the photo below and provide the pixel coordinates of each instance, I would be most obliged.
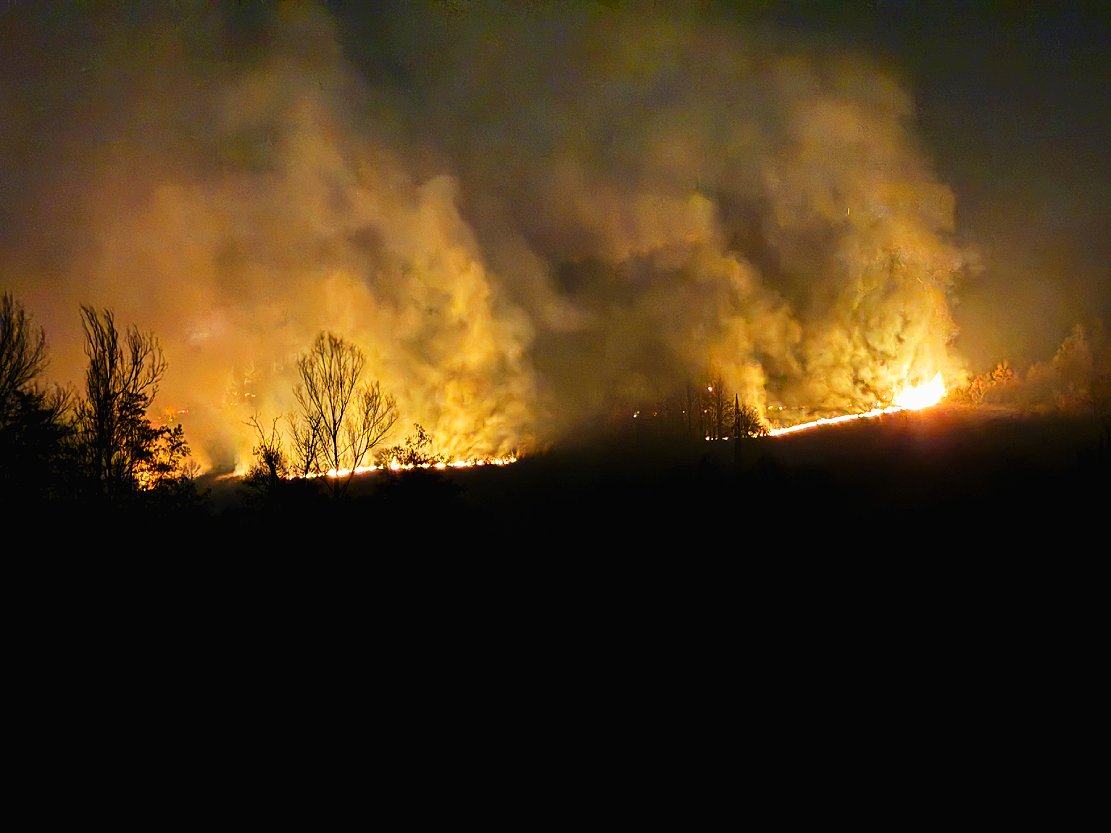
(911, 398)
(922, 396)
(397, 465)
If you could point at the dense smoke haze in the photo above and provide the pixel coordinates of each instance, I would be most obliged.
(531, 217)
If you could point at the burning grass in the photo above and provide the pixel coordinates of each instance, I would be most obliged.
(911, 398)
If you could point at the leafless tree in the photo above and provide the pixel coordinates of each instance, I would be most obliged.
(35, 420)
(305, 440)
(340, 417)
(269, 451)
(121, 381)
(271, 464)
(746, 421)
(713, 406)
(23, 354)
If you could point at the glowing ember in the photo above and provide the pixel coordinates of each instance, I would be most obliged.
(912, 398)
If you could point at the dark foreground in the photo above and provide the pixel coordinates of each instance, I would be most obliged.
(949, 479)
(914, 602)
(972, 507)
(937, 518)
(929, 487)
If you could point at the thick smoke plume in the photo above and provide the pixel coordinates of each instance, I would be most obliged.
(528, 216)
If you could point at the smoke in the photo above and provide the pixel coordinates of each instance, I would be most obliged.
(526, 216)
(1076, 380)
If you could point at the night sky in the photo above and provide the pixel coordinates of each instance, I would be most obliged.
(528, 212)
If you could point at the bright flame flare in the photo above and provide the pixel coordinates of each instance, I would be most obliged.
(913, 398)
(922, 396)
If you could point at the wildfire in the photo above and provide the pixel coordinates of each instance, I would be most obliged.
(921, 396)
(396, 465)
(912, 398)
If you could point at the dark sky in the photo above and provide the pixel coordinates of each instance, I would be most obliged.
(594, 200)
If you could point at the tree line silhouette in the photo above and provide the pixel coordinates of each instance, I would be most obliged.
(93, 448)
(702, 410)
(95, 451)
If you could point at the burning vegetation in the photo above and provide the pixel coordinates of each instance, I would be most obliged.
(912, 398)
(647, 195)
(656, 215)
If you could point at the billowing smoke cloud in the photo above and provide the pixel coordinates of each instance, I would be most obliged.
(526, 218)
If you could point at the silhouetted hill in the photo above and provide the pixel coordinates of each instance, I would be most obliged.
(948, 475)
(944, 565)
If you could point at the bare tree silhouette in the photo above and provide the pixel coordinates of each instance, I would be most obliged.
(23, 354)
(123, 451)
(35, 422)
(340, 417)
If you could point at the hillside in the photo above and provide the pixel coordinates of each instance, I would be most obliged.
(896, 481)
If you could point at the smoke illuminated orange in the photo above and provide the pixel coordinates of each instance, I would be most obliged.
(913, 398)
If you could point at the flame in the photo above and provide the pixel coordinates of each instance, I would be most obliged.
(397, 465)
(922, 396)
(911, 398)
(802, 426)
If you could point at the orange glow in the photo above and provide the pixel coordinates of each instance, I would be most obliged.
(911, 398)
(922, 396)
(397, 465)
(802, 426)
